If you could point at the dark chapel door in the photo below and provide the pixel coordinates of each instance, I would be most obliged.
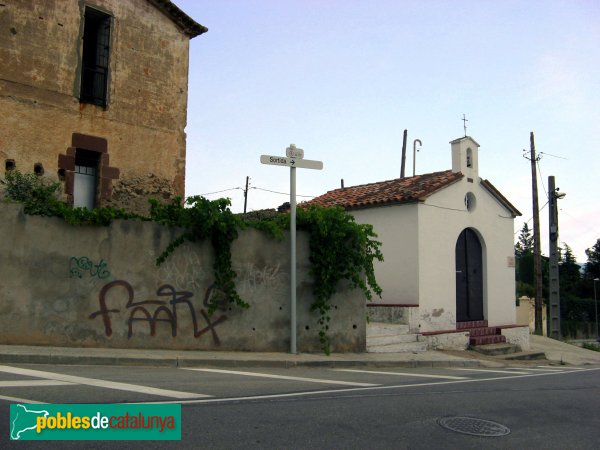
(469, 277)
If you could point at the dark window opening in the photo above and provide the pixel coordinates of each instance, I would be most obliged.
(96, 40)
(38, 169)
(10, 164)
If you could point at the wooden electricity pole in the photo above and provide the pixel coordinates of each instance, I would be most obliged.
(537, 248)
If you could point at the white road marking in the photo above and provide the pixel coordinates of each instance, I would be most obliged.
(511, 372)
(359, 389)
(102, 383)
(403, 374)
(19, 400)
(283, 377)
(32, 383)
(563, 368)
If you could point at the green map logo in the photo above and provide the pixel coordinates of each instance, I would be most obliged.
(95, 422)
(24, 420)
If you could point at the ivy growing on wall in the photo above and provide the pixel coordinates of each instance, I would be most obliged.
(340, 248)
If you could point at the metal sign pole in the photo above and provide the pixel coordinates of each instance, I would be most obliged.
(293, 259)
(294, 158)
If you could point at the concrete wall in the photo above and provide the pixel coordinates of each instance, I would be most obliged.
(40, 50)
(99, 286)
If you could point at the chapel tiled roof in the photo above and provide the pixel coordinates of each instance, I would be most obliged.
(399, 190)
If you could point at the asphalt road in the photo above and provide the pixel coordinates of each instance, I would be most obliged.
(529, 407)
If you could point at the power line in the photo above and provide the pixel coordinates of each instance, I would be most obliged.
(542, 179)
(554, 156)
(282, 193)
(224, 190)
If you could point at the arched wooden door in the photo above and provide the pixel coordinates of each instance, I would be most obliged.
(469, 277)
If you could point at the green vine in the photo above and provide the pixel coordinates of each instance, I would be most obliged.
(204, 220)
(340, 248)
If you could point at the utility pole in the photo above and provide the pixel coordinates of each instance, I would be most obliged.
(553, 313)
(537, 248)
(246, 194)
(403, 164)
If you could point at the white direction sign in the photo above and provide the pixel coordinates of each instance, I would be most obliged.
(291, 162)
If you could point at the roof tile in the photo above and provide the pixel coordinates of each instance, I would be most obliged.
(399, 190)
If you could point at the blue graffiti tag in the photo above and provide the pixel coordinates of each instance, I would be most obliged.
(79, 266)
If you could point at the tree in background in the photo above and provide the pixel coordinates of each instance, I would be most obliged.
(592, 268)
(525, 243)
(569, 273)
(524, 263)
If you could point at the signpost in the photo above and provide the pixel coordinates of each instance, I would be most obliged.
(294, 159)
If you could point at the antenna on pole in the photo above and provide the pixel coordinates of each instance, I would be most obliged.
(415, 154)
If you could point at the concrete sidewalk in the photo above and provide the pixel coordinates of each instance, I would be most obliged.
(556, 352)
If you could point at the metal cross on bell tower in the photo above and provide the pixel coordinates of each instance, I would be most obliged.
(465, 120)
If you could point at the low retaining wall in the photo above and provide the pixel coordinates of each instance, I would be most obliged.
(518, 335)
(99, 287)
(390, 313)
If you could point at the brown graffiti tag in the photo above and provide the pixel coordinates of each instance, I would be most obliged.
(166, 310)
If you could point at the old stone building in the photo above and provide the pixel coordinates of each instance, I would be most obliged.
(94, 93)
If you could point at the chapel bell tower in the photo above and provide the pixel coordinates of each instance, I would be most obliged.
(465, 156)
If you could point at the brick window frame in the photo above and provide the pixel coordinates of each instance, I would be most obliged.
(106, 173)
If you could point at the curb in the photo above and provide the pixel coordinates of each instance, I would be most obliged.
(196, 362)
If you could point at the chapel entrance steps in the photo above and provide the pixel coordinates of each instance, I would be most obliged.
(392, 338)
(480, 333)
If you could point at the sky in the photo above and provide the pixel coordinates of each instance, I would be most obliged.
(342, 80)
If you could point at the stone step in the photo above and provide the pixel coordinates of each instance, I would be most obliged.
(496, 349)
(482, 340)
(391, 339)
(471, 324)
(405, 347)
(524, 356)
(483, 331)
(385, 329)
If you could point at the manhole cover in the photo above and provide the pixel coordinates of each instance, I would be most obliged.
(473, 426)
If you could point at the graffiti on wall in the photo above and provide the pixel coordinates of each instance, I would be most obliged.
(252, 278)
(79, 266)
(166, 310)
(184, 269)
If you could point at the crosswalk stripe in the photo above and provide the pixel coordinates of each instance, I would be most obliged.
(283, 377)
(510, 372)
(32, 383)
(403, 374)
(101, 383)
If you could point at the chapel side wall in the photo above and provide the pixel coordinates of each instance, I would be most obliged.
(147, 99)
(441, 218)
(398, 275)
(79, 286)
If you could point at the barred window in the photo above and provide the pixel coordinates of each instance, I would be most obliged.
(95, 60)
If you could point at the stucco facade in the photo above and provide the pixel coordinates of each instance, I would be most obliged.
(420, 228)
(135, 132)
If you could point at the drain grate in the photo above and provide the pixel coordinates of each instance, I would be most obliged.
(474, 426)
